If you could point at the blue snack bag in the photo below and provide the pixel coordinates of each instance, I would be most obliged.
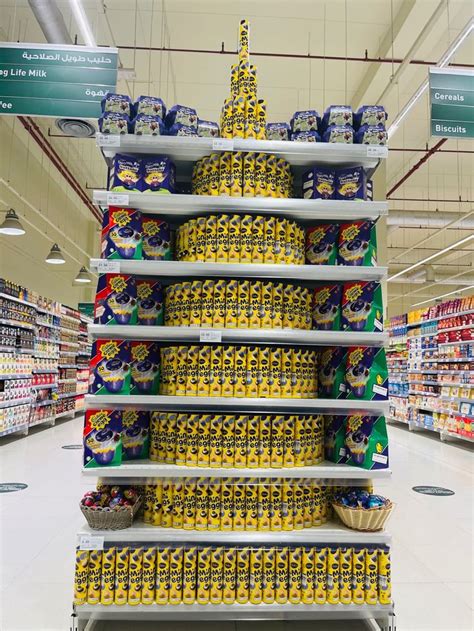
(305, 120)
(208, 129)
(306, 136)
(151, 106)
(371, 135)
(370, 115)
(146, 125)
(126, 175)
(278, 131)
(114, 123)
(178, 129)
(117, 103)
(319, 183)
(339, 133)
(157, 175)
(182, 115)
(337, 115)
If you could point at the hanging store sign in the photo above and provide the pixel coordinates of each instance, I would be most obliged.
(55, 80)
(452, 102)
(86, 308)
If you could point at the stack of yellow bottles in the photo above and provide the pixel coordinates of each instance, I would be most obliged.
(240, 239)
(236, 441)
(214, 575)
(232, 304)
(243, 115)
(238, 371)
(242, 174)
(236, 504)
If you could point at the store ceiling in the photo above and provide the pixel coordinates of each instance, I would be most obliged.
(383, 28)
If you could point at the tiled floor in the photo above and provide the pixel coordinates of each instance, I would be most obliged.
(432, 536)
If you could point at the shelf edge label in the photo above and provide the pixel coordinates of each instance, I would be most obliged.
(91, 542)
(223, 144)
(118, 199)
(208, 335)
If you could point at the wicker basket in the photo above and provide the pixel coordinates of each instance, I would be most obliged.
(368, 520)
(110, 518)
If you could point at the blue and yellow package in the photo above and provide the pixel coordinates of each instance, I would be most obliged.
(110, 367)
(370, 115)
(362, 308)
(357, 244)
(366, 441)
(150, 305)
(156, 244)
(371, 135)
(337, 115)
(332, 370)
(351, 183)
(102, 438)
(306, 136)
(319, 183)
(158, 175)
(208, 129)
(126, 175)
(121, 236)
(366, 373)
(339, 133)
(278, 131)
(145, 367)
(135, 434)
(178, 129)
(327, 308)
(321, 244)
(116, 300)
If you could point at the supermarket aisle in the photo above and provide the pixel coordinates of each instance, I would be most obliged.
(432, 553)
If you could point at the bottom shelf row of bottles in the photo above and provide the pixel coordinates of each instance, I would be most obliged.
(217, 575)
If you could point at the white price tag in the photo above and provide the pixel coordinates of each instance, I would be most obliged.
(91, 542)
(117, 199)
(224, 144)
(375, 151)
(108, 140)
(208, 335)
(103, 266)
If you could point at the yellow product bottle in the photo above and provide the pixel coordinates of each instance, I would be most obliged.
(358, 576)
(203, 575)
(289, 441)
(217, 575)
(193, 440)
(309, 441)
(167, 504)
(234, 80)
(271, 175)
(170, 306)
(246, 242)
(260, 175)
(345, 576)
(308, 505)
(256, 576)
(189, 575)
(228, 364)
(297, 307)
(207, 303)
(210, 252)
(213, 166)
(320, 575)
(300, 440)
(281, 575)
(176, 576)
(192, 371)
(240, 441)
(384, 576)
(202, 490)
(181, 369)
(195, 304)
(253, 81)
(239, 504)
(251, 504)
(258, 239)
(219, 303)
(181, 439)
(289, 307)
(268, 583)
(177, 305)
(253, 441)
(184, 304)
(277, 305)
(269, 242)
(243, 570)
(250, 115)
(216, 376)
(191, 240)
(214, 504)
(287, 505)
(275, 369)
(285, 373)
(80, 577)
(314, 368)
(276, 504)
(200, 239)
(230, 570)
(280, 178)
(371, 576)
(231, 304)
(333, 576)
(225, 167)
(265, 441)
(237, 174)
(157, 511)
(162, 585)
(172, 376)
(263, 372)
(234, 239)
(291, 240)
(135, 576)
(215, 441)
(178, 504)
(308, 298)
(279, 247)
(222, 252)
(248, 189)
(154, 435)
(261, 119)
(243, 304)
(189, 503)
(318, 502)
(228, 441)
(296, 376)
(238, 129)
(307, 576)
(204, 371)
(121, 576)
(278, 441)
(171, 420)
(298, 504)
(227, 503)
(148, 502)
(149, 576)
(161, 421)
(251, 384)
(164, 377)
(267, 305)
(255, 305)
(264, 504)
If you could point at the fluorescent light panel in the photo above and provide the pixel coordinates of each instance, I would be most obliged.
(458, 291)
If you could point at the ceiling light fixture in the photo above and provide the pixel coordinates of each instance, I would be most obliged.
(11, 226)
(445, 59)
(82, 22)
(458, 291)
(55, 256)
(453, 246)
(83, 276)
